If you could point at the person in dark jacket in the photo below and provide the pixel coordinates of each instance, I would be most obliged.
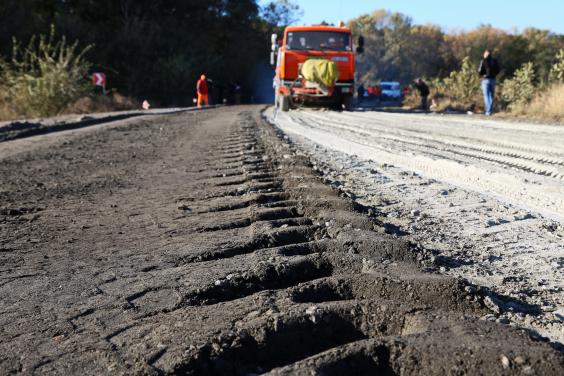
(360, 92)
(489, 69)
(423, 90)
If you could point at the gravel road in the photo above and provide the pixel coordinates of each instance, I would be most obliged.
(487, 197)
(204, 243)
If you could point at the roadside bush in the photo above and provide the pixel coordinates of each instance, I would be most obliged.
(556, 74)
(463, 85)
(548, 104)
(43, 78)
(460, 91)
(413, 99)
(518, 91)
(520, 94)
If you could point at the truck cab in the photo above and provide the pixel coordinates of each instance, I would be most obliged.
(302, 43)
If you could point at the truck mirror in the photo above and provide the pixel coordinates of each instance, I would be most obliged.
(274, 39)
(272, 59)
(361, 41)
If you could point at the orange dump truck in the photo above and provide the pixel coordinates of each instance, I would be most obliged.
(326, 80)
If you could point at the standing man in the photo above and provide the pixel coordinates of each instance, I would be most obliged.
(423, 90)
(489, 69)
(360, 92)
(202, 88)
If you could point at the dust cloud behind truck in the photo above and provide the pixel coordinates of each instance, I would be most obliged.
(314, 65)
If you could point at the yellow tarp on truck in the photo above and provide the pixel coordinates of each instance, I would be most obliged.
(320, 71)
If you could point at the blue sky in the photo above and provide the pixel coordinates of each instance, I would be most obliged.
(451, 15)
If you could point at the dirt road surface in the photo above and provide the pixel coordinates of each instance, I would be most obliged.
(204, 243)
(486, 196)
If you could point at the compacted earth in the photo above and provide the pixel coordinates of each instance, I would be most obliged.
(485, 196)
(204, 243)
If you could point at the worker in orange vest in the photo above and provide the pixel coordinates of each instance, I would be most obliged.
(202, 88)
(378, 93)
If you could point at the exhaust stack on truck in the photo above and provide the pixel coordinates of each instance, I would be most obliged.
(314, 65)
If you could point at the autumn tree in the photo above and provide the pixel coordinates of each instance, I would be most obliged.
(401, 51)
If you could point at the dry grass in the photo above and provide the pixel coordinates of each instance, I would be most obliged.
(547, 105)
(447, 104)
(84, 105)
(109, 103)
(440, 102)
(412, 100)
(6, 111)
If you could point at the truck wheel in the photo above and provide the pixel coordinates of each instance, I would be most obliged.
(284, 103)
(347, 102)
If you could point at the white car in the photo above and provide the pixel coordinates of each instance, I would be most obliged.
(391, 90)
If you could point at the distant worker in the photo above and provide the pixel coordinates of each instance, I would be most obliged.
(360, 92)
(202, 88)
(237, 92)
(377, 90)
(423, 90)
(489, 69)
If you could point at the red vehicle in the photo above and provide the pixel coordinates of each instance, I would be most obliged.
(302, 43)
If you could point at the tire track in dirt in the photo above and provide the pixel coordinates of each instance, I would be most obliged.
(332, 290)
(260, 267)
(494, 134)
(521, 182)
(455, 147)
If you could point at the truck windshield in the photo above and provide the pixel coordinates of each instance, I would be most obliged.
(318, 40)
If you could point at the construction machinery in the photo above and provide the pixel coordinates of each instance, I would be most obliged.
(315, 65)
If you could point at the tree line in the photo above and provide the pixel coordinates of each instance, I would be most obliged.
(156, 49)
(399, 50)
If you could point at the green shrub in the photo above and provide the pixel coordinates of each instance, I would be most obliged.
(557, 70)
(43, 78)
(463, 85)
(460, 91)
(520, 89)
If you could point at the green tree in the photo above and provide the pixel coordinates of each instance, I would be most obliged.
(520, 89)
(387, 38)
(156, 49)
(281, 13)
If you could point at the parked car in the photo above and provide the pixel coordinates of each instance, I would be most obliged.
(391, 90)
